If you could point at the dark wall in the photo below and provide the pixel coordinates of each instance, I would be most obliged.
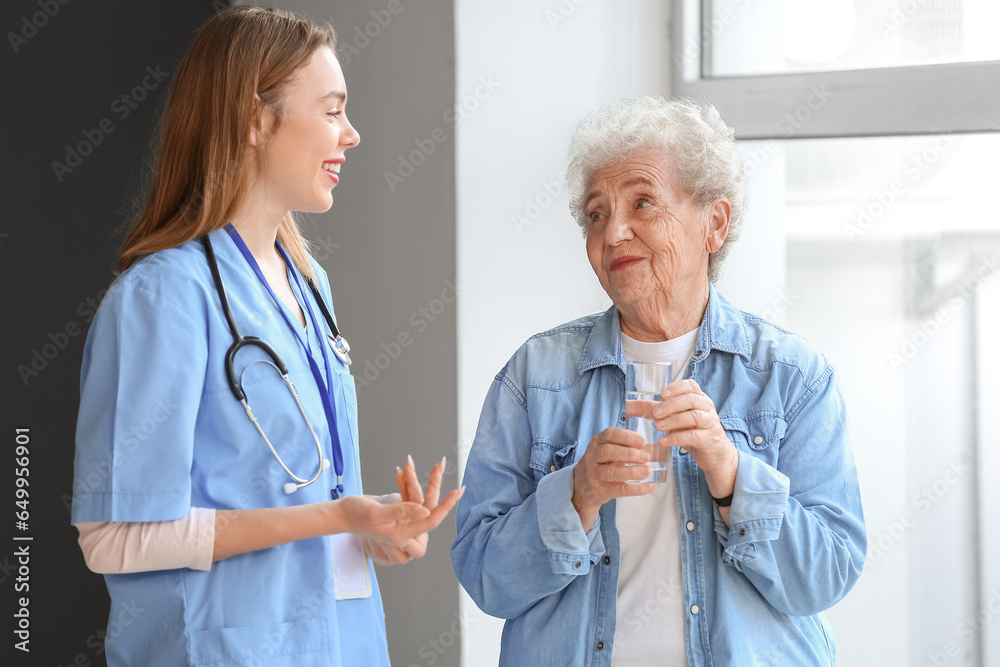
(73, 163)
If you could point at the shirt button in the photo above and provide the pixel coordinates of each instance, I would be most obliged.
(697, 353)
(607, 560)
(623, 417)
(578, 565)
(743, 532)
(683, 451)
(758, 440)
(690, 525)
(552, 468)
(694, 609)
(600, 646)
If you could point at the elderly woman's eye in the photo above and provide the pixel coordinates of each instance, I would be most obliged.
(594, 216)
(642, 203)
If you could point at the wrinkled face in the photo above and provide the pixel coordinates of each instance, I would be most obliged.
(645, 239)
(301, 160)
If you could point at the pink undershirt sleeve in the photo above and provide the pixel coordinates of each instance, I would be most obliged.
(119, 547)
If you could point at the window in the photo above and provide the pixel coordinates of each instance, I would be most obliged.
(873, 232)
(829, 35)
(740, 58)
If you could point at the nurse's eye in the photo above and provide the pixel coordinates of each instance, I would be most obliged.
(333, 114)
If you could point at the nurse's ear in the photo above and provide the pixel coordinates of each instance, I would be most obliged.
(261, 122)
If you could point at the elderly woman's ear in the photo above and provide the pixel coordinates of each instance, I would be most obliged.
(718, 223)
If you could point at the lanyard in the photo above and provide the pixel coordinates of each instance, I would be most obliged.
(321, 384)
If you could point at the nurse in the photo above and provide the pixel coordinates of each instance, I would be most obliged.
(215, 548)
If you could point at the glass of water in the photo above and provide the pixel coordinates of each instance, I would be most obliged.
(643, 382)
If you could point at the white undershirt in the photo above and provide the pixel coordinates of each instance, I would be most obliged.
(650, 609)
(119, 547)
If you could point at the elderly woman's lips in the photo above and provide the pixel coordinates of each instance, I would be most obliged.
(622, 262)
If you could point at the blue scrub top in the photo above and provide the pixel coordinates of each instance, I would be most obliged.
(160, 432)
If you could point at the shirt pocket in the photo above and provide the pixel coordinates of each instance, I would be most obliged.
(351, 401)
(758, 434)
(297, 644)
(547, 456)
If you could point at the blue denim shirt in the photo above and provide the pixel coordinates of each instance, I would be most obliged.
(753, 591)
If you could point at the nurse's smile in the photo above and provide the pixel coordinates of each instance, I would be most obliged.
(332, 169)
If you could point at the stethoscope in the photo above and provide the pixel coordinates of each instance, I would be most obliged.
(337, 342)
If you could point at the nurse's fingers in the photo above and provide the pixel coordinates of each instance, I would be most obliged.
(383, 554)
(437, 514)
(403, 482)
(415, 494)
(399, 483)
(417, 547)
(434, 485)
(403, 514)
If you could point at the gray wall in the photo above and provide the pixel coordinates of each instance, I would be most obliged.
(390, 254)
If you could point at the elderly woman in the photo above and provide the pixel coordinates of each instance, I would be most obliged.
(759, 526)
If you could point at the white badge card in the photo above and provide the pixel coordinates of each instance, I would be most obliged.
(351, 574)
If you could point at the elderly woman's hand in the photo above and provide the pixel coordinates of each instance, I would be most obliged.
(689, 417)
(601, 474)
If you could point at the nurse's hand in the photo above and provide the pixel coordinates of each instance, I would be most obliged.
(397, 532)
(388, 530)
(410, 491)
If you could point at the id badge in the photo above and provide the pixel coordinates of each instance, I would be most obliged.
(351, 572)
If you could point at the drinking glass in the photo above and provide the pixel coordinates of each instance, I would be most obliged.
(643, 382)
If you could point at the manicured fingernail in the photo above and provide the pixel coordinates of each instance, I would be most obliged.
(443, 460)
(399, 470)
(409, 460)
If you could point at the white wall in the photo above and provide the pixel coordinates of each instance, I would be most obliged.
(522, 265)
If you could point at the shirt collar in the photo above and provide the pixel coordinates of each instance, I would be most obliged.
(722, 328)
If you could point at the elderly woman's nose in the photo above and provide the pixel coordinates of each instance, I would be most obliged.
(618, 228)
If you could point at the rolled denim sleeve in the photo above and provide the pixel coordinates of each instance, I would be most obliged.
(797, 531)
(519, 539)
(570, 550)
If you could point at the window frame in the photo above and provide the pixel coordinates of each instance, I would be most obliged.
(892, 101)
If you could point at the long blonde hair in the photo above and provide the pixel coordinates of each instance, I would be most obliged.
(201, 173)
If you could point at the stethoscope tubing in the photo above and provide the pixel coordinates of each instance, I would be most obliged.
(239, 342)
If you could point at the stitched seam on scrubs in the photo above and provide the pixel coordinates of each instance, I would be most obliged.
(253, 658)
(139, 493)
(187, 616)
(157, 297)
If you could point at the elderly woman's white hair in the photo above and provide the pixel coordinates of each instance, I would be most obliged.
(703, 161)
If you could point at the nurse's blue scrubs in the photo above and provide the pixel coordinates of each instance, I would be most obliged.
(160, 432)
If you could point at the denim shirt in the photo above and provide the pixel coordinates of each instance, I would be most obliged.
(753, 591)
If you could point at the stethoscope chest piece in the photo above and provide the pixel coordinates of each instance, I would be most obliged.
(340, 347)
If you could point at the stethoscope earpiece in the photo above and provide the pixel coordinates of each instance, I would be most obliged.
(291, 488)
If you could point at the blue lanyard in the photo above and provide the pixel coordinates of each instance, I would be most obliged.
(324, 389)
